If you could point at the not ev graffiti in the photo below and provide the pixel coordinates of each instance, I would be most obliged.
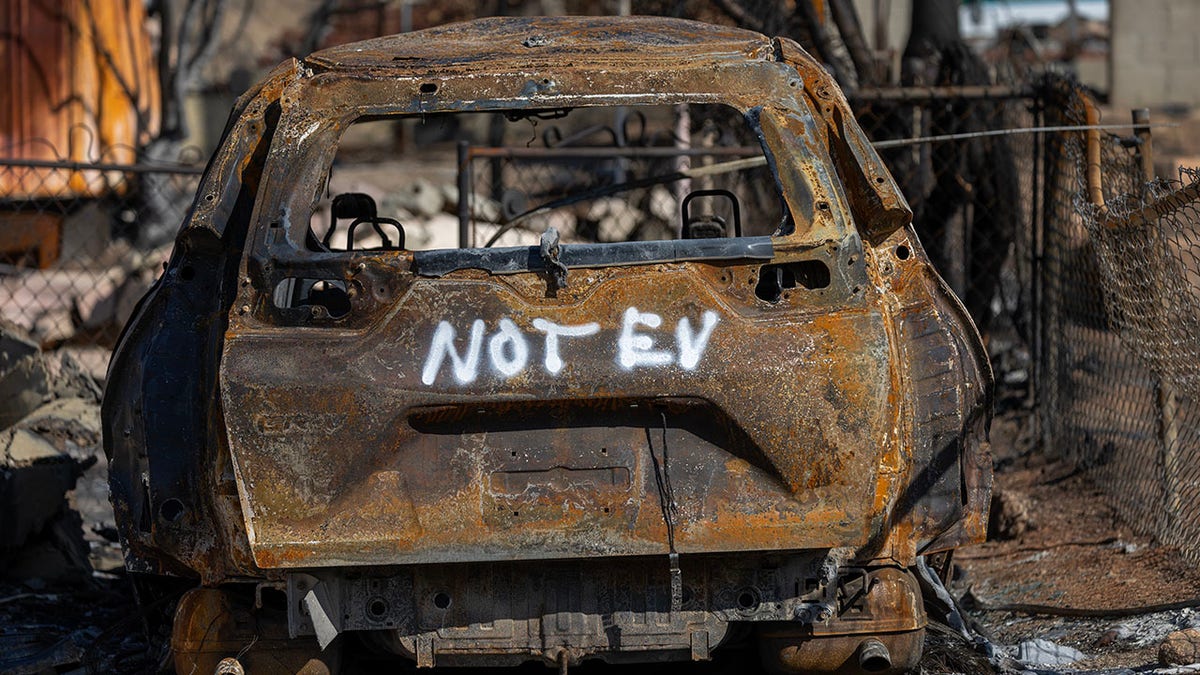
(508, 353)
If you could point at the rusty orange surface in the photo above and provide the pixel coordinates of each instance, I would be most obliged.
(794, 430)
(81, 86)
(470, 426)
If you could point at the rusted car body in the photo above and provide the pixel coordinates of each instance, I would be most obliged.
(476, 463)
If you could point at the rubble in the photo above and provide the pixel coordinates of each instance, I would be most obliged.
(1046, 653)
(614, 219)
(439, 231)
(35, 653)
(24, 382)
(59, 598)
(1181, 648)
(49, 436)
(421, 198)
(109, 310)
(1151, 629)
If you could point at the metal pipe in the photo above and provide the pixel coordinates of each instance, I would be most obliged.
(609, 152)
(1003, 132)
(1094, 177)
(1141, 118)
(464, 194)
(873, 656)
(103, 166)
(1149, 214)
(969, 91)
(1035, 282)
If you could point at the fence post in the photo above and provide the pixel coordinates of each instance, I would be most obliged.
(1145, 148)
(1036, 233)
(1057, 180)
(1166, 398)
(464, 194)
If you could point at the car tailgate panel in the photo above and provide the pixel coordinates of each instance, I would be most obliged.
(453, 430)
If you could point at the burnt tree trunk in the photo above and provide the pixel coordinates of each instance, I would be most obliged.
(965, 194)
(934, 27)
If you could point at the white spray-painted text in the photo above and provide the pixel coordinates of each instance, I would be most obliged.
(508, 350)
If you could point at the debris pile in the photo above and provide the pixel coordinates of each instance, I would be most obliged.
(50, 437)
(57, 601)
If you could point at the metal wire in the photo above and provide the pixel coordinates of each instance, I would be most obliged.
(942, 138)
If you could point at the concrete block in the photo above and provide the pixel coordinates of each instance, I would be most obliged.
(1141, 17)
(1093, 73)
(1126, 47)
(1135, 85)
(33, 483)
(1183, 15)
(1152, 50)
(1180, 49)
(1183, 84)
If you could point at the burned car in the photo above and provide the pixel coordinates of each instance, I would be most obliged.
(741, 428)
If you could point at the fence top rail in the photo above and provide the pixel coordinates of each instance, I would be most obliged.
(141, 167)
(607, 152)
(1068, 128)
(966, 91)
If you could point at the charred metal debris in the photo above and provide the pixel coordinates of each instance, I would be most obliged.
(557, 450)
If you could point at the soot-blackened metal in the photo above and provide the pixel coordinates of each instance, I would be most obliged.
(849, 418)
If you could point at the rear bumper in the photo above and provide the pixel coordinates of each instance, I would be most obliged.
(612, 609)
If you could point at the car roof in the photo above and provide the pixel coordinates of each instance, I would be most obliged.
(512, 43)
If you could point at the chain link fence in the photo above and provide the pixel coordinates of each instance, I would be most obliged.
(972, 198)
(80, 244)
(623, 174)
(627, 196)
(1121, 349)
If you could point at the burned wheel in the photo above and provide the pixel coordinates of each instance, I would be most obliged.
(214, 624)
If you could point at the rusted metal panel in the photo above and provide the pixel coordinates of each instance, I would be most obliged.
(464, 464)
(81, 86)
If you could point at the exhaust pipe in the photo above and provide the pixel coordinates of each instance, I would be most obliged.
(873, 656)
